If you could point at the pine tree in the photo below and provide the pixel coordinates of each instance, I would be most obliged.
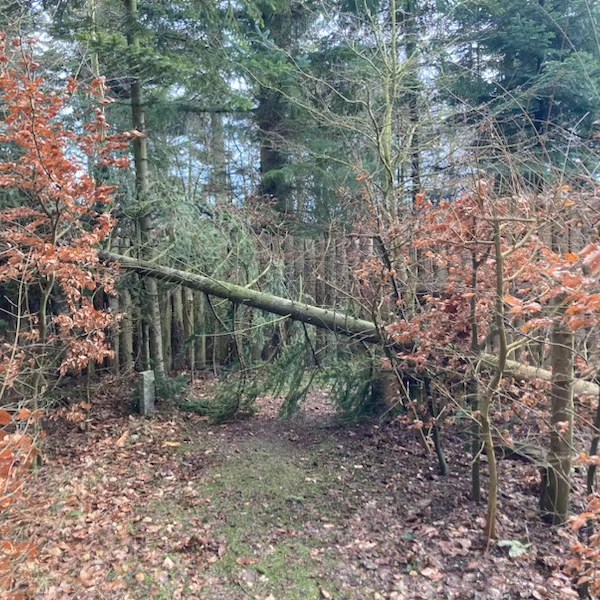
(530, 71)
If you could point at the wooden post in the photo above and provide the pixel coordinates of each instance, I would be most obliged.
(147, 393)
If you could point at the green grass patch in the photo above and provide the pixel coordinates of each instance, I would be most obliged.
(264, 500)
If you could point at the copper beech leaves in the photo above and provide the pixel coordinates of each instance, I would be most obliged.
(586, 556)
(53, 234)
(544, 283)
(454, 236)
(50, 229)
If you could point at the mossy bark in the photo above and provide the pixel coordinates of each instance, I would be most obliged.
(359, 329)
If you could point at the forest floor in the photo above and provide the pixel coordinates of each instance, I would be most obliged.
(172, 507)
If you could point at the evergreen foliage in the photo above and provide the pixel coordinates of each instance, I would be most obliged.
(530, 70)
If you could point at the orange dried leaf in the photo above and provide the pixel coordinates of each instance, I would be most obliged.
(579, 521)
(571, 280)
(512, 301)
(23, 415)
(592, 261)
(5, 418)
(578, 322)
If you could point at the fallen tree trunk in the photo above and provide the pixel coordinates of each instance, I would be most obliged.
(522, 372)
(299, 311)
(325, 318)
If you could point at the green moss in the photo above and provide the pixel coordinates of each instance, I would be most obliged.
(261, 493)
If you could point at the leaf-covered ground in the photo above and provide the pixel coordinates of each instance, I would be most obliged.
(171, 507)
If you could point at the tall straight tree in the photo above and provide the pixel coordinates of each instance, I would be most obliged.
(272, 109)
(142, 182)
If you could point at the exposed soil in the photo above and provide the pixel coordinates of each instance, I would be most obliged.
(172, 507)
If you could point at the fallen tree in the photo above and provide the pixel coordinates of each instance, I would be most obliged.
(298, 311)
(326, 318)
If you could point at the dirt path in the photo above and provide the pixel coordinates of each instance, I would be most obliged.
(173, 508)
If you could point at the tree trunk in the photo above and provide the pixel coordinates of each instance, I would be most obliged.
(126, 344)
(298, 264)
(320, 258)
(556, 483)
(189, 327)
(177, 329)
(113, 303)
(218, 158)
(199, 330)
(313, 315)
(488, 395)
(473, 387)
(309, 270)
(359, 329)
(166, 315)
(142, 181)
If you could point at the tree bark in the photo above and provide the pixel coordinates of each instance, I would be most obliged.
(313, 315)
(126, 332)
(309, 270)
(189, 327)
(556, 483)
(177, 329)
(142, 181)
(360, 329)
(473, 387)
(488, 395)
(218, 158)
(113, 303)
(320, 298)
(199, 329)
(166, 315)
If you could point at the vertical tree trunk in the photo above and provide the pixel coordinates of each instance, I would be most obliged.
(222, 339)
(298, 258)
(166, 315)
(138, 338)
(146, 352)
(342, 268)
(126, 344)
(331, 272)
(189, 328)
(473, 387)
(309, 271)
(352, 258)
(177, 329)
(330, 291)
(409, 21)
(200, 330)
(114, 304)
(488, 395)
(218, 158)
(273, 180)
(320, 292)
(556, 484)
(142, 181)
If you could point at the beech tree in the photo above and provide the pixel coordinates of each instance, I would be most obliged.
(53, 217)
